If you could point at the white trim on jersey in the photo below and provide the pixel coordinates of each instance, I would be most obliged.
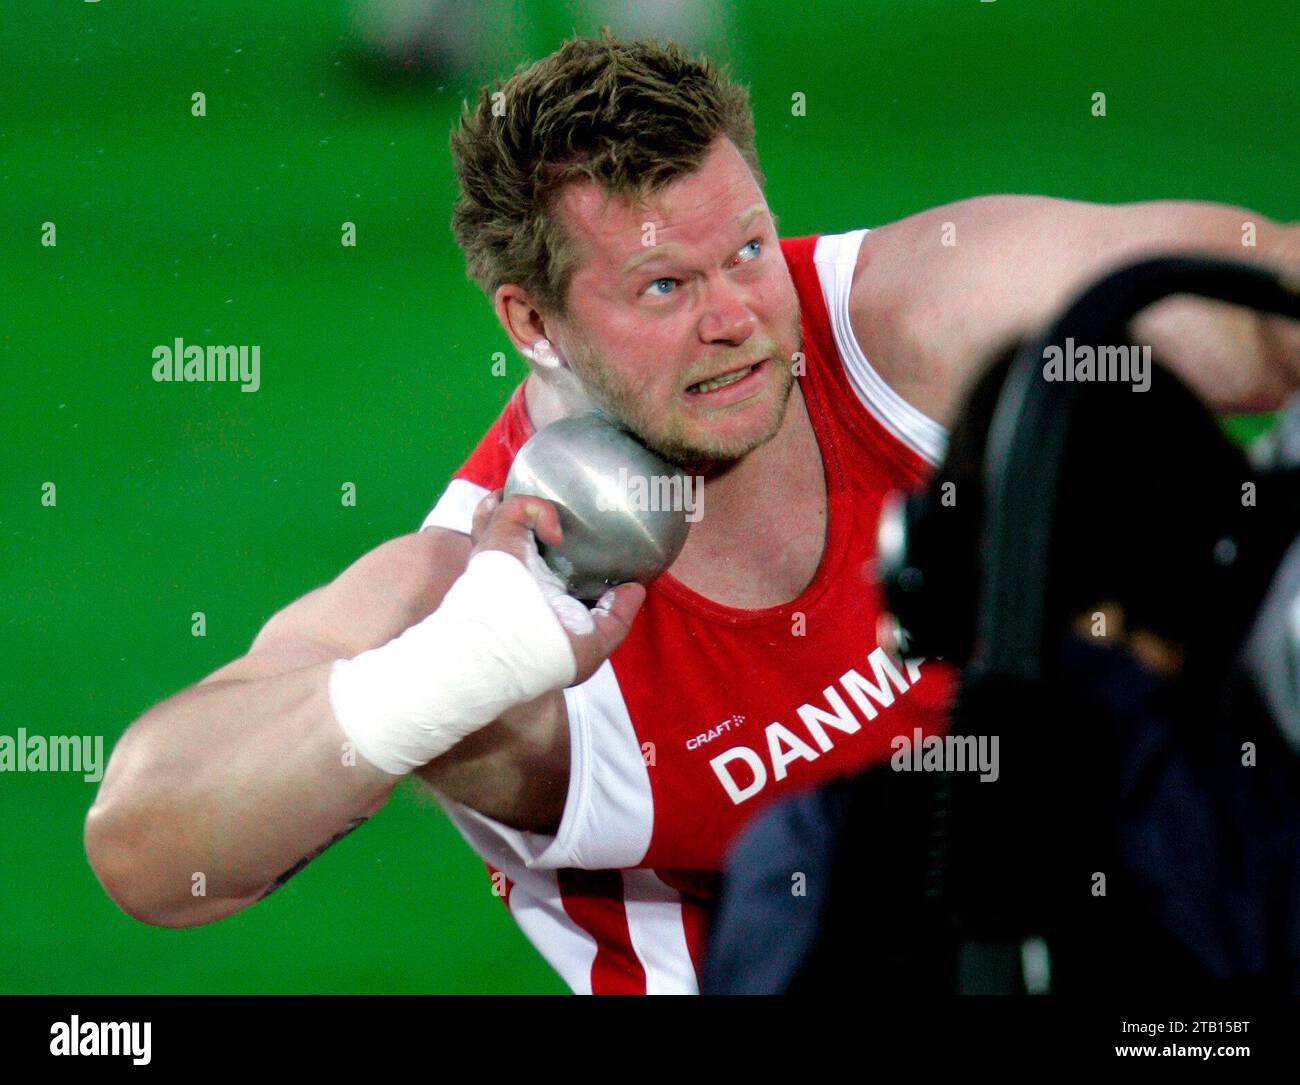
(609, 810)
(536, 905)
(455, 508)
(607, 826)
(658, 932)
(835, 257)
(534, 898)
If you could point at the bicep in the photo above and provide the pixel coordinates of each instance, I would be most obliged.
(940, 291)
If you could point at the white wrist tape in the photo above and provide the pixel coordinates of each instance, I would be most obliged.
(494, 642)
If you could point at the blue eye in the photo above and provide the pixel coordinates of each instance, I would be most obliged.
(751, 251)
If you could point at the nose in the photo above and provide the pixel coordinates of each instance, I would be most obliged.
(727, 318)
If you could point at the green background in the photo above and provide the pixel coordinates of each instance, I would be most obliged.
(376, 365)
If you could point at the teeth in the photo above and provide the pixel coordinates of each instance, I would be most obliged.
(722, 382)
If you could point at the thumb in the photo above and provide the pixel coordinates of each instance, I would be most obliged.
(612, 617)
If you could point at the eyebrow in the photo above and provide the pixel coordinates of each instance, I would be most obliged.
(667, 249)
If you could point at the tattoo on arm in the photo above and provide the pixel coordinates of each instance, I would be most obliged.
(308, 858)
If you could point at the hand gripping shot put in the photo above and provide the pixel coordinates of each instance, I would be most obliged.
(512, 627)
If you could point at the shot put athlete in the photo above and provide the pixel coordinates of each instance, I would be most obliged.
(603, 759)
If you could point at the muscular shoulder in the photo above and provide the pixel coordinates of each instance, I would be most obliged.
(938, 292)
(952, 245)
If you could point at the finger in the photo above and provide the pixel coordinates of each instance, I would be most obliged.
(545, 520)
(612, 617)
(510, 525)
(483, 513)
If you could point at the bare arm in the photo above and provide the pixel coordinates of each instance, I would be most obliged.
(245, 777)
(927, 314)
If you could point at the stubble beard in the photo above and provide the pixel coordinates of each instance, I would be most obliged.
(671, 440)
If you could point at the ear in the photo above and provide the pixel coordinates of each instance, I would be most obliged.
(521, 319)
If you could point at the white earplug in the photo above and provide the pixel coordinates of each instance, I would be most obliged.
(544, 355)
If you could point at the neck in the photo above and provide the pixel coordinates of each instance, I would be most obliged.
(763, 530)
(549, 400)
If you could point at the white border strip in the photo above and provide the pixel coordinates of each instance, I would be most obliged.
(835, 257)
(455, 508)
(654, 921)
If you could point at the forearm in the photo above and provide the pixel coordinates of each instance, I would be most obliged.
(214, 794)
(1237, 359)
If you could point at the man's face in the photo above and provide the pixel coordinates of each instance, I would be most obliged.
(687, 287)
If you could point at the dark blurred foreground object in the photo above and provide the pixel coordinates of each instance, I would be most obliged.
(1143, 832)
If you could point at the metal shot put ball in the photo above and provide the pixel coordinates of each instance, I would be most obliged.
(588, 466)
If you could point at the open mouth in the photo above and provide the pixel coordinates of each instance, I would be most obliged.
(714, 384)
